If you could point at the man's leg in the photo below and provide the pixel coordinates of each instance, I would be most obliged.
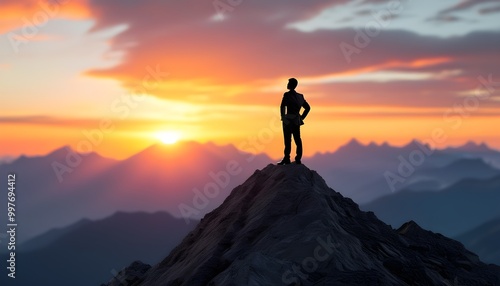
(287, 137)
(298, 142)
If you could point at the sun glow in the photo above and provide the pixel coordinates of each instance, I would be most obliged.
(168, 137)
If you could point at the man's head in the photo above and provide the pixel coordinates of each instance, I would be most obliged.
(292, 83)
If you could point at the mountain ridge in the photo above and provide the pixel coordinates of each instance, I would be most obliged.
(285, 226)
(106, 185)
(97, 187)
(447, 211)
(88, 252)
(483, 240)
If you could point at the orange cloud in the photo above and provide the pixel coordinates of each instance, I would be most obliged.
(429, 62)
(246, 58)
(20, 14)
(389, 65)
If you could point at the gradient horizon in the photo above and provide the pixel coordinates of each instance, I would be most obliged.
(381, 71)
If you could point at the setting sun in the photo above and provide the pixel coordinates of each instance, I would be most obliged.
(168, 137)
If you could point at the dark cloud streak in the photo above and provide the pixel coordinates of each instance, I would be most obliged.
(465, 5)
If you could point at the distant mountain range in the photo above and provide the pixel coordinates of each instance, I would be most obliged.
(190, 179)
(432, 178)
(474, 168)
(472, 149)
(484, 240)
(194, 176)
(452, 211)
(89, 252)
(359, 171)
(453, 190)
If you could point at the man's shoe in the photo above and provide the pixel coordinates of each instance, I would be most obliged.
(298, 162)
(284, 162)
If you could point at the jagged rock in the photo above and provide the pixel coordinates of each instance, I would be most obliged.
(130, 276)
(285, 226)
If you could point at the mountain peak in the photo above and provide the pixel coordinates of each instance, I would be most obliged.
(61, 152)
(352, 146)
(354, 143)
(474, 147)
(410, 228)
(412, 144)
(57, 154)
(285, 226)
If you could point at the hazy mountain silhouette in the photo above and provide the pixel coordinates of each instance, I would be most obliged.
(49, 237)
(285, 226)
(437, 178)
(484, 240)
(90, 251)
(158, 178)
(481, 150)
(471, 146)
(171, 172)
(163, 177)
(357, 170)
(45, 202)
(474, 168)
(451, 211)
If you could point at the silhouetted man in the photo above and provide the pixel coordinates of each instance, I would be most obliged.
(290, 115)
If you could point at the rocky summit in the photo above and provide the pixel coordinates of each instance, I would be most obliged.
(285, 226)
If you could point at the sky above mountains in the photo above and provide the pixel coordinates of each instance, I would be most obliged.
(116, 76)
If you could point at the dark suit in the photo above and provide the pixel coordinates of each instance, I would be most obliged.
(290, 115)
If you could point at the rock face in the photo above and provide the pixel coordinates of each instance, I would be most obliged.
(285, 226)
(130, 275)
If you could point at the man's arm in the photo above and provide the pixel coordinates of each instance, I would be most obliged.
(282, 108)
(307, 108)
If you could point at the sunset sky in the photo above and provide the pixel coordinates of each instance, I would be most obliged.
(120, 75)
